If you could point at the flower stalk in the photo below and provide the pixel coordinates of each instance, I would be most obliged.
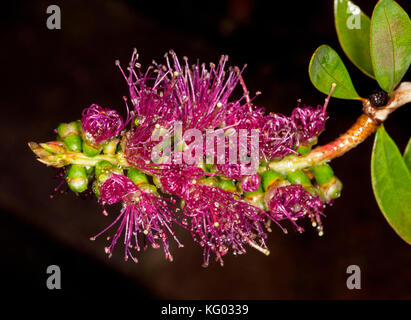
(55, 153)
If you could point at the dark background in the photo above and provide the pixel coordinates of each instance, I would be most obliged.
(49, 76)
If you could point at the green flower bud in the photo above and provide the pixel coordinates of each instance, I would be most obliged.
(66, 129)
(323, 173)
(227, 185)
(89, 150)
(76, 178)
(298, 177)
(254, 193)
(269, 177)
(89, 170)
(103, 166)
(136, 176)
(331, 190)
(303, 150)
(73, 143)
(111, 146)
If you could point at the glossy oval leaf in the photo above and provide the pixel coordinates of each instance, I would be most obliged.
(353, 31)
(391, 182)
(326, 68)
(390, 40)
(407, 155)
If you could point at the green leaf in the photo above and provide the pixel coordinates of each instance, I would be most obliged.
(407, 155)
(390, 39)
(326, 68)
(391, 181)
(353, 31)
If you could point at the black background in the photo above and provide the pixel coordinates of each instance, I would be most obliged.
(49, 76)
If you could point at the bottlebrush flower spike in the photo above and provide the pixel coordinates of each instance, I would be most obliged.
(100, 124)
(224, 208)
(143, 213)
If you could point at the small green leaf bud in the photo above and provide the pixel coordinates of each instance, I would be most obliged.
(66, 129)
(136, 176)
(323, 173)
(331, 190)
(298, 177)
(303, 150)
(76, 178)
(89, 150)
(102, 167)
(227, 185)
(269, 177)
(73, 143)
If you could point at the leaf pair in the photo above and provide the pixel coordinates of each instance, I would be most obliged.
(380, 48)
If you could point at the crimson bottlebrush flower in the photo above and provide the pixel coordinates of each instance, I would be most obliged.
(245, 116)
(143, 213)
(202, 94)
(230, 170)
(250, 183)
(100, 124)
(293, 202)
(278, 136)
(116, 188)
(218, 222)
(154, 109)
(309, 122)
(178, 180)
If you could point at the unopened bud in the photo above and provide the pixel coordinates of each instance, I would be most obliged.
(76, 178)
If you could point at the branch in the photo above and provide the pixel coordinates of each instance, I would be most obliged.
(365, 125)
(55, 154)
